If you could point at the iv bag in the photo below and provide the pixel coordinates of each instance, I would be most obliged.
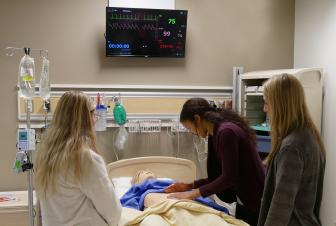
(26, 78)
(121, 138)
(44, 81)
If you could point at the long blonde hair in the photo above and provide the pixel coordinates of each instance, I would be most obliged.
(65, 146)
(286, 101)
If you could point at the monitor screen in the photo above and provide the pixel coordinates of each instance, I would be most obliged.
(145, 32)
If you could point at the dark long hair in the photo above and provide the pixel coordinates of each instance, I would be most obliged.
(201, 107)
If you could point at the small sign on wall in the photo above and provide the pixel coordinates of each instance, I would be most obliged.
(151, 4)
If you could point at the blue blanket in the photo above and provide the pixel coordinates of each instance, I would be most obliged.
(135, 196)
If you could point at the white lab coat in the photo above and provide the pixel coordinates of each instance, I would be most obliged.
(93, 203)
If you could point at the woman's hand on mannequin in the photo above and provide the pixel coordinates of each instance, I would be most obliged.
(185, 195)
(178, 187)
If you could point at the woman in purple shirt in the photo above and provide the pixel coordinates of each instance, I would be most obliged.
(235, 171)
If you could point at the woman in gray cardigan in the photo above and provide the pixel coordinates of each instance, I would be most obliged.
(295, 167)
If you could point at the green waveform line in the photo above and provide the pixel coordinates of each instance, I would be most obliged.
(134, 17)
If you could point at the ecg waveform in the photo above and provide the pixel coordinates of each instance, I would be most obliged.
(133, 26)
(144, 17)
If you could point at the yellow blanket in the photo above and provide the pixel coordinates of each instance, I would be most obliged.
(178, 213)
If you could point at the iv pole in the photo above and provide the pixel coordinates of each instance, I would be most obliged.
(43, 53)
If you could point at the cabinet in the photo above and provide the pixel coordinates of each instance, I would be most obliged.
(14, 209)
(250, 99)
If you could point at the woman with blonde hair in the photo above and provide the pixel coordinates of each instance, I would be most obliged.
(295, 167)
(71, 178)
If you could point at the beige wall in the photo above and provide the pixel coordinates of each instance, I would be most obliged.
(255, 34)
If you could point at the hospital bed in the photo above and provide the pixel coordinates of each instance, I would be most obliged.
(177, 169)
(167, 167)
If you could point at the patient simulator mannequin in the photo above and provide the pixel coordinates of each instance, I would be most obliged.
(147, 191)
(151, 198)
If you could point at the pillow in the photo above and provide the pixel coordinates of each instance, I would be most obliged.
(121, 185)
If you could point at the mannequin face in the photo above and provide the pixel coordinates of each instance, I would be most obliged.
(143, 175)
(197, 127)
